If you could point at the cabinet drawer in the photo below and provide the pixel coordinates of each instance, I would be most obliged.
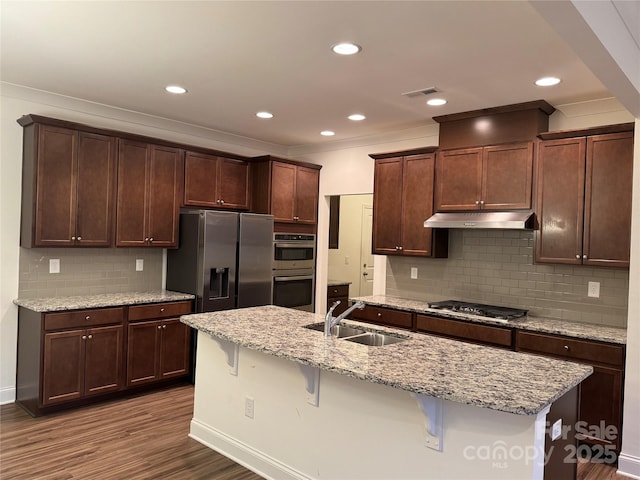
(158, 310)
(384, 316)
(83, 318)
(486, 334)
(571, 349)
(338, 291)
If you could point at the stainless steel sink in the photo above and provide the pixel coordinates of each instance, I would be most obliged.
(339, 331)
(375, 339)
(358, 335)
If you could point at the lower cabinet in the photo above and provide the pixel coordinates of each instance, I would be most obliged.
(600, 415)
(69, 358)
(467, 331)
(157, 348)
(338, 293)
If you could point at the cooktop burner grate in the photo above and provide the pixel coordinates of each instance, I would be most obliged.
(490, 311)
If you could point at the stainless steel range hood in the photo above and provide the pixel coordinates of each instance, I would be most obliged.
(518, 220)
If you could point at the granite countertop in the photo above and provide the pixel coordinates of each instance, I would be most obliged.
(336, 283)
(472, 374)
(536, 324)
(56, 304)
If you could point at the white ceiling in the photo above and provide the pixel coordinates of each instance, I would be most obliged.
(239, 57)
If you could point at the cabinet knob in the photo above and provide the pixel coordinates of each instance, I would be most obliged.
(84, 337)
(79, 238)
(481, 202)
(73, 238)
(584, 257)
(379, 314)
(162, 309)
(90, 336)
(159, 327)
(578, 257)
(146, 239)
(566, 347)
(477, 202)
(221, 202)
(164, 326)
(87, 317)
(400, 248)
(150, 239)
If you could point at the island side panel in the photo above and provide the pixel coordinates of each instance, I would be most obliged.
(360, 430)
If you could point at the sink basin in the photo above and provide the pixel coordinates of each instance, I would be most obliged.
(339, 331)
(375, 339)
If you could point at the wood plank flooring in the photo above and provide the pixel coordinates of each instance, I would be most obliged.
(142, 438)
(137, 438)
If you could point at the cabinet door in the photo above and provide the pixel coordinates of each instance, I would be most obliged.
(283, 190)
(608, 184)
(417, 204)
(560, 201)
(200, 180)
(506, 176)
(459, 179)
(103, 360)
(307, 183)
(387, 206)
(174, 349)
(55, 217)
(63, 368)
(233, 183)
(132, 198)
(143, 347)
(96, 180)
(164, 196)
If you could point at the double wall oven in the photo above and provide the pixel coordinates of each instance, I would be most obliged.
(294, 260)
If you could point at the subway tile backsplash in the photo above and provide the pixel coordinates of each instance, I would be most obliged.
(496, 267)
(88, 271)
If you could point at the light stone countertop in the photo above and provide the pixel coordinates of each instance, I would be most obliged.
(472, 374)
(531, 323)
(336, 283)
(56, 304)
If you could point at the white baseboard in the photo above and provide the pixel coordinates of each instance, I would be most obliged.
(7, 395)
(629, 466)
(243, 454)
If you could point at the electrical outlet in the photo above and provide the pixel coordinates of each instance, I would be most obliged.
(139, 264)
(248, 407)
(414, 273)
(556, 429)
(594, 289)
(346, 260)
(54, 265)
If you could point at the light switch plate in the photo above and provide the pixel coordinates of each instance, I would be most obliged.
(54, 265)
(556, 429)
(414, 273)
(139, 264)
(594, 289)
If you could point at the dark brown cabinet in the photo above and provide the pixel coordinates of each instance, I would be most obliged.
(494, 178)
(584, 200)
(402, 201)
(384, 316)
(338, 293)
(149, 195)
(67, 357)
(600, 394)
(215, 181)
(158, 345)
(287, 190)
(68, 187)
(466, 331)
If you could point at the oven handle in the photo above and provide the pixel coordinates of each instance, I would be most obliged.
(295, 277)
(294, 245)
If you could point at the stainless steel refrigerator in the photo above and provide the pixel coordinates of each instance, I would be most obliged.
(223, 258)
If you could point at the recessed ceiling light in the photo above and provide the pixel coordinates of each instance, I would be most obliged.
(327, 133)
(264, 115)
(346, 48)
(356, 117)
(175, 89)
(435, 102)
(547, 81)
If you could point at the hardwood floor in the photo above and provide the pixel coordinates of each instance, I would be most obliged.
(143, 437)
(137, 438)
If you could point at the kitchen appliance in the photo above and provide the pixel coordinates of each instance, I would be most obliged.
(293, 274)
(224, 259)
(479, 309)
(516, 220)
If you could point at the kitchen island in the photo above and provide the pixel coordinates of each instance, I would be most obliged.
(289, 403)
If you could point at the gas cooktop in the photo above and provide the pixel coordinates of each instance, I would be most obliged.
(490, 311)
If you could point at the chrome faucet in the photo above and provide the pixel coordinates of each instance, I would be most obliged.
(330, 321)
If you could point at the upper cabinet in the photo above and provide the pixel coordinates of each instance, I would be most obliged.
(68, 188)
(149, 194)
(583, 200)
(215, 182)
(288, 190)
(402, 201)
(494, 178)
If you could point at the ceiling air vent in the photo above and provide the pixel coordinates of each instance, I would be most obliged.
(424, 91)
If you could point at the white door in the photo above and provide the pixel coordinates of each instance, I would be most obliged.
(366, 258)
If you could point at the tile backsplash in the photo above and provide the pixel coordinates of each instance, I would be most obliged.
(88, 271)
(496, 267)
